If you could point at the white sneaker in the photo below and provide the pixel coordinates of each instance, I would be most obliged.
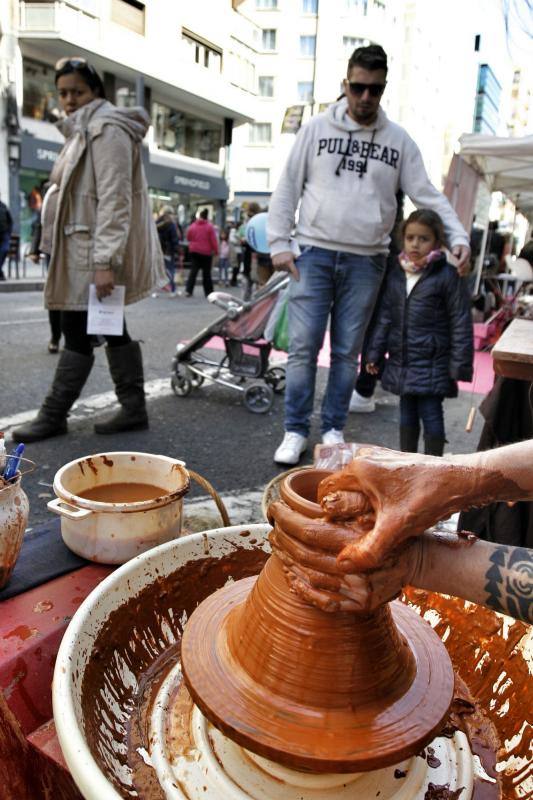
(333, 436)
(360, 404)
(291, 448)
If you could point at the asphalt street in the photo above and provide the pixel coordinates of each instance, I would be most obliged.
(210, 430)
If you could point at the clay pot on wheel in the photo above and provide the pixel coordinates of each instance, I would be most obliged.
(312, 690)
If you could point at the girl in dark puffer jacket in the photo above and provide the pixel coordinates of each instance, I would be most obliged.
(425, 326)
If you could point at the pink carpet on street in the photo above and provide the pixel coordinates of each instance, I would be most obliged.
(481, 383)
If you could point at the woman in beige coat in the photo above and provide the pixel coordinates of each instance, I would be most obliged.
(97, 228)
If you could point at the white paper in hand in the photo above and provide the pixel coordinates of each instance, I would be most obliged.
(106, 317)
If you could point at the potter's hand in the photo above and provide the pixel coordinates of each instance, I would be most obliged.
(330, 590)
(104, 281)
(284, 262)
(404, 492)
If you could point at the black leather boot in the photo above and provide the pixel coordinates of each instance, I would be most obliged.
(434, 445)
(71, 373)
(409, 439)
(126, 367)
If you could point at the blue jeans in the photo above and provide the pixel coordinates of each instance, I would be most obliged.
(223, 266)
(425, 407)
(170, 267)
(343, 286)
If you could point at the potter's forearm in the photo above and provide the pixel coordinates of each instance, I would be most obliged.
(505, 473)
(491, 575)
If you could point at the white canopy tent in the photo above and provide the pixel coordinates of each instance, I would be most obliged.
(506, 165)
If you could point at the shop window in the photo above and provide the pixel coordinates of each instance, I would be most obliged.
(268, 39)
(305, 91)
(309, 6)
(182, 133)
(307, 46)
(125, 94)
(129, 13)
(260, 133)
(258, 179)
(201, 52)
(39, 91)
(266, 86)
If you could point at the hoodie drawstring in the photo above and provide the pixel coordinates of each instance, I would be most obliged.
(348, 153)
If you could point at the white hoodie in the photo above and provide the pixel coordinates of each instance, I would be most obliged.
(347, 176)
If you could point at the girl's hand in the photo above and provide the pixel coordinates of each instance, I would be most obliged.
(372, 369)
(104, 280)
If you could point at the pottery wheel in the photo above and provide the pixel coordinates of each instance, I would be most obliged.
(255, 660)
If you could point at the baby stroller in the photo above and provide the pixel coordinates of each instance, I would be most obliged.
(246, 357)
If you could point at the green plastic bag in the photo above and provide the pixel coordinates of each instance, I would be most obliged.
(281, 331)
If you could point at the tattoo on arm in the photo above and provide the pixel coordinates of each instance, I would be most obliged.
(509, 584)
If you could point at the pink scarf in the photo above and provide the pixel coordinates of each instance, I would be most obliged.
(417, 266)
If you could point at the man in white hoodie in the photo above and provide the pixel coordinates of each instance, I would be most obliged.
(344, 171)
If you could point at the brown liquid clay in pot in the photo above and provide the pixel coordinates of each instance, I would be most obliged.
(315, 690)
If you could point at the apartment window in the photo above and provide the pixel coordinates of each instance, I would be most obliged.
(266, 3)
(309, 6)
(186, 134)
(266, 86)
(39, 91)
(129, 14)
(307, 46)
(202, 53)
(269, 39)
(258, 178)
(260, 133)
(351, 43)
(357, 5)
(305, 91)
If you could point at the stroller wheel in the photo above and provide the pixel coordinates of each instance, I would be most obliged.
(275, 377)
(181, 386)
(258, 398)
(195, 379)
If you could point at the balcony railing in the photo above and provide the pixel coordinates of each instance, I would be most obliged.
(74, 16)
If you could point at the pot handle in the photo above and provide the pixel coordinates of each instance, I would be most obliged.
(59, 506)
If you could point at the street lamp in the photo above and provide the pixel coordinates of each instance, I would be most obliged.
(13, 151)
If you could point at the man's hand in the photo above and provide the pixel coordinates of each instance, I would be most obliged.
(284, 262)
(104, 280)
(462, 254)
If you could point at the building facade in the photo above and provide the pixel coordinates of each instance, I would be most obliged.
(191, 66)
(440, 58)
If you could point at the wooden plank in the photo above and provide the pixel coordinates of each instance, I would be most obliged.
(513, 352)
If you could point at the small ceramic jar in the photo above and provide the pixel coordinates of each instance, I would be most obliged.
(14, 509)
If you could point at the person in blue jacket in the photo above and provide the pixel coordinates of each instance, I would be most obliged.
(425, 325)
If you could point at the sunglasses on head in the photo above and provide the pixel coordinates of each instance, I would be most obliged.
(75, 62)
(374, 89)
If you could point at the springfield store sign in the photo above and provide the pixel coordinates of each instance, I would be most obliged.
(38, 154)
(174, 180)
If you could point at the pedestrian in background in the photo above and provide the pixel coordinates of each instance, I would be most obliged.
(203, 245)
(6, 228)
(169, 241)
(224, 258)
(35, 254)
(343, 173)
(424, 323)
(97, 228)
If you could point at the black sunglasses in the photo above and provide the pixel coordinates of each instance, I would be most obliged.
(374, 89)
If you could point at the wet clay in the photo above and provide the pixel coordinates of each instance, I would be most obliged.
(143, 637)
(123, 492)
(325, 692)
